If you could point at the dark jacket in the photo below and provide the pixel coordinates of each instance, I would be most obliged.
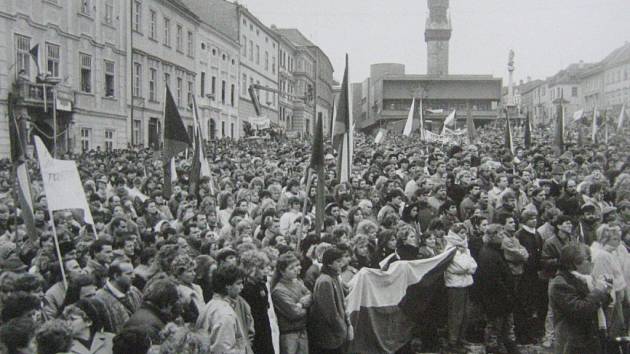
(531, 286)
(494, 281)
(257, 297)
(286, 295)
(150, 319)
(575, 314)
(551, 255)
(327, 324)
(569, 204)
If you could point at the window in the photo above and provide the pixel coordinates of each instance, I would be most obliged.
(85, 139)
(257, 54)
(152, 80)
(223, 91)
(203, 84)
(266, 60)
(273, 65)
(223, 129)
(109, 140)
(190, 93)
(232, 89)
(85, 7)
(244, 46)
(190, 43)
(86, 72)
(23, 45)
(574, 91)
(213, 87)
(244, 85)
(137, 80)
(109, 78)
(179, 40)
(167, 31)
(232, 130)
(136, 131)
(251, 50)
(137, 8)
(52, 59)
(179, 91)
(109, 11)
(152, 25)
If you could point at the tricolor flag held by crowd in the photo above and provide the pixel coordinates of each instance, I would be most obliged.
(449, 122)
(384, 306)
(409, 123)
(176, 140)
(200, 168)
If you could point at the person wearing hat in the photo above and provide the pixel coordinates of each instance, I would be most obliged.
(329, 327)
(531, 290)
(589, 220)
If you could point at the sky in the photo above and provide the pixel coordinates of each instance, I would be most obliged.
(546, 35)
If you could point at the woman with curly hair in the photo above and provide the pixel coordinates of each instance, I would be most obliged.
(257, 266)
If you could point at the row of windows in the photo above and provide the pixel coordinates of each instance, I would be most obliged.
(88, 7)
(244, 51)
(86, 139)
(286, 61)
(166, 29)
(618, 75)
(270, 97)
(251, 29)
(213, 89)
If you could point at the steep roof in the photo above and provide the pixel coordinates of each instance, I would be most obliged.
(618, 56)
(295, 36)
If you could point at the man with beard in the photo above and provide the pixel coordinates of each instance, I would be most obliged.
(120, 298)
(438, 197)
(494, 195)
(588, 224)
(569, 201)
(537, 197)
(470, 203)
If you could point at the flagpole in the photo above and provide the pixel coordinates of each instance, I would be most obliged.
(54, 92)
(59, 257)
(308, 188)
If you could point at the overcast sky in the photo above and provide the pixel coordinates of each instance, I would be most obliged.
(547, 35)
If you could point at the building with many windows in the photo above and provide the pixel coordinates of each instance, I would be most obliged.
(297, 84)
(218, 61)
(82, 69)
(322, 73)
(258, 64)
(164, 50)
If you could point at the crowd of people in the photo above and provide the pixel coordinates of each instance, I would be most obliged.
(541, 245)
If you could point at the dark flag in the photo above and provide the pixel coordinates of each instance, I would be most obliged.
(35, 54)
(17, 137)
(528, 132)
(470, 125)
(176, 139)
(342, 130)
(317, 165)
(509, 145)
(559, 138)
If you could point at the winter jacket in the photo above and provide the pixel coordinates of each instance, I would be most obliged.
(285, 296)
(149, 318)
(257, 297)
(494, 282)
(459, 272)
(327, 322)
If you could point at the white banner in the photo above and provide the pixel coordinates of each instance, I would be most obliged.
(62, 183)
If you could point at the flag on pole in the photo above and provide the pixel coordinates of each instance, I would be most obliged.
(17, 137)
(528, 132)
(200, 167)
(384, 305)
(35, 54)
(559, 138)
(594, 128)
(317, 165)
(509, 145)
(409, 123)
(421, 113)
(470, 126)
(449, 121)
(622, 115)
(176, 139)
(578, 115)
(343, 130)
(62, 183)
(380, 136)
(605, 127)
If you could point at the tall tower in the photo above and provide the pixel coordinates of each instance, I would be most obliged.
(437, 33)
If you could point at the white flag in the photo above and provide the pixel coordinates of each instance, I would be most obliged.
(578, 115)
(379, 136)
(622, 115)
(62, 183)
(409, 123)
(450, 120)
(594, 128)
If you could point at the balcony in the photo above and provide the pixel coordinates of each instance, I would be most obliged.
(32, 95)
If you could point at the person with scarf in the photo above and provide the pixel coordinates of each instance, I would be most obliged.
(458, 278)
(577, 299)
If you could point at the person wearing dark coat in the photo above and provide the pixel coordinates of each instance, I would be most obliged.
(329, 328)
(156, 309)
(577, 300)
(531, 291)
(569, 201)
(256, 294)
(496, 289)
